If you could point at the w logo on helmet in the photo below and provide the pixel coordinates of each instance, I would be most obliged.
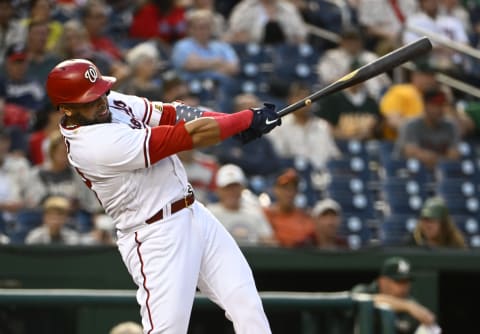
(91, 74)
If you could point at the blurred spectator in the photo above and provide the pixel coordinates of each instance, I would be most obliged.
(404, 101)
(201, 170)
(24, 96)
(436, 228)
(12, 31)
(176, 89)
(144, 63)
(352, 113)
(46, 123)
(75, 43)
(14, 171)
(201, 57)
(467, 117)
(219, 24)
(95, 20)
(430, 19)
(128, 327)
(245, 222)
(55, 177)
(41, 11)
(255, 158)
(41, 60)
(56, 214)
(293, 226)
(429, 137)
(392, 287)
(456, 9)
(348, 56)
(304, 135)
(266, 21)
(383, 22)
(162, 20)
(327, 216)
(102, 232)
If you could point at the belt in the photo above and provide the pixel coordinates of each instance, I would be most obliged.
(174, 207)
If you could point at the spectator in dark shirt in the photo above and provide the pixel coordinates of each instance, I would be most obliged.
(429, 137)
(392, 287)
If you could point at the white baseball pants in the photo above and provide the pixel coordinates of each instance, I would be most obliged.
(170, 258)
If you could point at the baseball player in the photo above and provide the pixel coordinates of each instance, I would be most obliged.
(124, 147)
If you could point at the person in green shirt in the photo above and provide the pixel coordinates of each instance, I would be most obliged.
(392, 287)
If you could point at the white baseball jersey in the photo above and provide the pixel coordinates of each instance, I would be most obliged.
(112, 159)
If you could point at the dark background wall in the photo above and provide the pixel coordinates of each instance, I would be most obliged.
(446, 281)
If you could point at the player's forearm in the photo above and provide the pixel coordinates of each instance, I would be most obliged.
(207, 131)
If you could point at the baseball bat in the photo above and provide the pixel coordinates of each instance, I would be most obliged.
(380, 65)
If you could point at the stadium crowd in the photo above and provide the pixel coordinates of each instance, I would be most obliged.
(392, 161)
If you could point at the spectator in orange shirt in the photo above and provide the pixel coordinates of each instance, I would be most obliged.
(293, 226)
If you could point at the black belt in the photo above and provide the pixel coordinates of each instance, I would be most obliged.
(174, 207)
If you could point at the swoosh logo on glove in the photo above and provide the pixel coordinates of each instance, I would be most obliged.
(268, 122)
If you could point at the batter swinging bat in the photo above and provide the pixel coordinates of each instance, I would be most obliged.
(380, 65)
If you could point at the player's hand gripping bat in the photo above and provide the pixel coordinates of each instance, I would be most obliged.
(380, 65)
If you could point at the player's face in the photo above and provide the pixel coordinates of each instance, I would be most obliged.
(94, 112)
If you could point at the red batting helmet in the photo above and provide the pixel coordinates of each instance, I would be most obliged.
(76, 81)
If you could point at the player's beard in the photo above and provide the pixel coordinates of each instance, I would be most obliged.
(82, 121)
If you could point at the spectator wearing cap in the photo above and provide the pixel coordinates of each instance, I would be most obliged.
(392, 287)
(12, 31)
(24, 95)
(429, 137)
(436, 228)
(337, 62)
(56, 214)
(327, 216)
(293, 226)
(238, 209)
(404, 101)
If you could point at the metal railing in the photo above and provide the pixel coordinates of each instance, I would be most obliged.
(306, 303)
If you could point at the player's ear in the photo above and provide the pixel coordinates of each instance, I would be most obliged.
(64, 109)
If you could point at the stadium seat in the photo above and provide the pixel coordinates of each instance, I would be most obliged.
(356, 229)
(403, 196)
(292, 62)
(349, 166)
(26, 220)
(396, 229)
(461, 205)
(462, 187)
(463, 169)
(470, 227)
(405, 169)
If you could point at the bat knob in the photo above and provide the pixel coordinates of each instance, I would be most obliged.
(308, 102)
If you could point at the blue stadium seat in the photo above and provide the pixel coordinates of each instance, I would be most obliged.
(461, 205)
(256, 65)
(346, 184)
(396, 229)
(349, 166)
(470, 227)
(406, 169)
(26, 220)
(352, 147)
(403, 196)
(462, 187)
(356, 229)
(463, 169)
(292, 62)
